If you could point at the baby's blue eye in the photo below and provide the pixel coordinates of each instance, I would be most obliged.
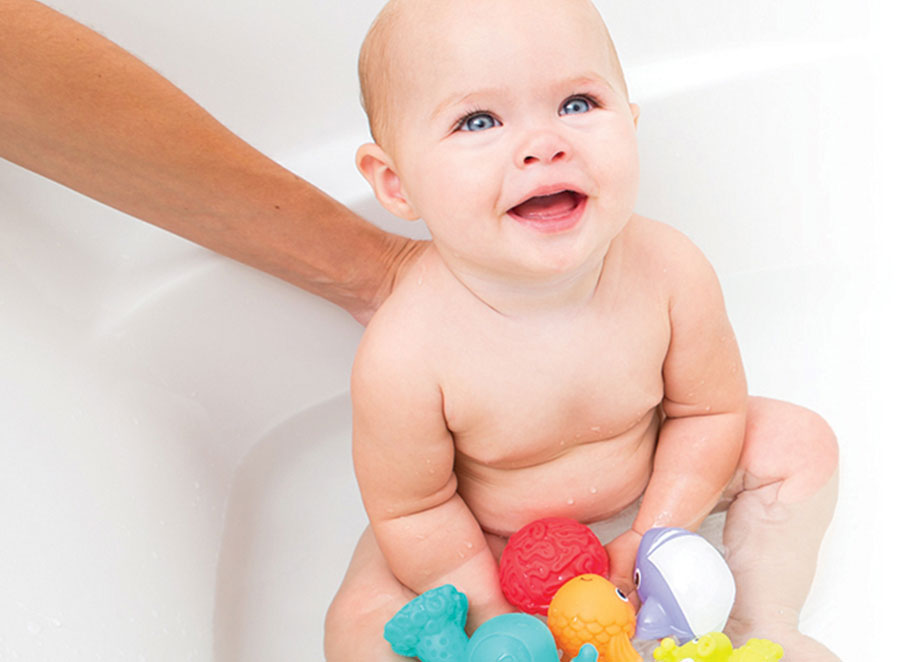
(576, 105)
(478, 122)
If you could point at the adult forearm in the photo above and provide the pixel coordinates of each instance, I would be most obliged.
(78, 109)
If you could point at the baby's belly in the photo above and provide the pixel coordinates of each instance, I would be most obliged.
(590, 482)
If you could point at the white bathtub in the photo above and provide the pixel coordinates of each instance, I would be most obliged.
(175, 477)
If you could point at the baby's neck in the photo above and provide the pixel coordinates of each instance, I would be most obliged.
(566, 293)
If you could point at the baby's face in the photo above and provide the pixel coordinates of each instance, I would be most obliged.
(513, 136)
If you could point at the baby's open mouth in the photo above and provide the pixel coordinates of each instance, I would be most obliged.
(548, 207)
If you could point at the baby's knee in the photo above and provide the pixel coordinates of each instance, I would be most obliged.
(347, 608)
(818, 443)
(354, 624)
(812, 457)
(789, 445)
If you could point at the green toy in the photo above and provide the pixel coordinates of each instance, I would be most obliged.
(758, 650)
(716, 647)
(713, 647)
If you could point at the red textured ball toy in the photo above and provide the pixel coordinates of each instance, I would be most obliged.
(542, 556)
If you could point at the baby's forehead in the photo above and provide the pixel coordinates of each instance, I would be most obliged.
(416, 41)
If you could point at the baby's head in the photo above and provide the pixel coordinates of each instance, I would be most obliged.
(387, 55)
(499, 122)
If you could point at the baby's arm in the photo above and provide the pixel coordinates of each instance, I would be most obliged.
(404, 456)
(705, 398)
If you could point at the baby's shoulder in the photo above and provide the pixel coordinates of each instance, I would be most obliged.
(659, 241)
(401, 335)
(662, 251)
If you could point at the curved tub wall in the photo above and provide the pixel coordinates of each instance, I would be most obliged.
(175, 478)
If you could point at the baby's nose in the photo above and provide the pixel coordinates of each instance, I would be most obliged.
(543, 147)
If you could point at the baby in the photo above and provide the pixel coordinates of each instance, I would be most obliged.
(553, 353)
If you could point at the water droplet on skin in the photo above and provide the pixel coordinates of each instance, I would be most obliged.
(571, 501)
(469, 545)
(593, 490)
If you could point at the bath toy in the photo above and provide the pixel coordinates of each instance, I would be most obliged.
(713, 647)
(518, 638)
(589, 609)
(716, 647)
(685, 586)
(430, 627)
(545, 554)
(758, 650)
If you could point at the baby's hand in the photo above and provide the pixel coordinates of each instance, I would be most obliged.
(622, 554)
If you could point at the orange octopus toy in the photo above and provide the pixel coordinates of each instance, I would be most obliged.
(589, 609)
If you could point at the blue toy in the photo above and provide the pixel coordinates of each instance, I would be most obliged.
(685, 586)
(431, 627)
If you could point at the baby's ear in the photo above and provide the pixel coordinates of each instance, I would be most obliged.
(378, 169)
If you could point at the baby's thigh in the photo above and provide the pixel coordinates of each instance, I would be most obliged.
(368, 598)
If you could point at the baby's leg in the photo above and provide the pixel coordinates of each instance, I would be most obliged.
(784, 496)
(369, 597)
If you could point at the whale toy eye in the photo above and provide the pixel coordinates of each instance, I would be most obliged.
(621, 595)
(637, 578)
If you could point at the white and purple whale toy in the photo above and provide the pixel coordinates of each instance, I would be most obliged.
(685, 586)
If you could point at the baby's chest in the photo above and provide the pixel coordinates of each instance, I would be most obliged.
(511, 401)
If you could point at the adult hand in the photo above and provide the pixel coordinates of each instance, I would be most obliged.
(400, 255)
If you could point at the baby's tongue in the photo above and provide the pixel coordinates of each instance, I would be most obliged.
(547, 206)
